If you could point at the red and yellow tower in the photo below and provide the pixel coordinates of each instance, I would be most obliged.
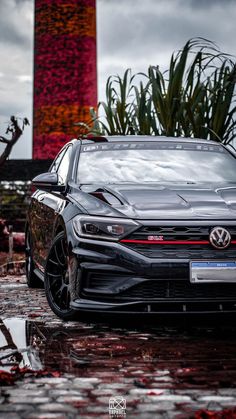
(65, 75)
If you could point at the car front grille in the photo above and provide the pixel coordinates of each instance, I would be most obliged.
(182, 251)
(104, 284)
(179, 290)
(179, 232)
(179, 251)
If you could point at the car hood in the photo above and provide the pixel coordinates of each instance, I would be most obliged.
(159, 201)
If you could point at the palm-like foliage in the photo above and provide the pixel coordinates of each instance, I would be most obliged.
(118, 108)
(195, 97)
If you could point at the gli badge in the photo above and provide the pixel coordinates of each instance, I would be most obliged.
(220, 238)
(155, 238)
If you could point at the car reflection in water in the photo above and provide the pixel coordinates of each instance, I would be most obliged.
(200, 358)
(33, 345)
(15, 349)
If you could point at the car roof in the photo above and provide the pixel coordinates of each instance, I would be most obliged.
(151, 138)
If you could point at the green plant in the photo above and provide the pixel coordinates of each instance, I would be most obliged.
(195, 97)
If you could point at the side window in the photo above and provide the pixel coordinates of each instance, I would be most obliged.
(63, 166)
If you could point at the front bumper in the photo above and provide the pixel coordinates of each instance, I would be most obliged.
(112, 278)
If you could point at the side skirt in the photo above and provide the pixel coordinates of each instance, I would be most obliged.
(39, 274)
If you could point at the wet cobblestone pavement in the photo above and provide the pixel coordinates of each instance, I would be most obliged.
(53, 369)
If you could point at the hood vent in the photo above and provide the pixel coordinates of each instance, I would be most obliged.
(107, 197)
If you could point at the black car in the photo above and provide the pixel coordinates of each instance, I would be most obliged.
(135, 224)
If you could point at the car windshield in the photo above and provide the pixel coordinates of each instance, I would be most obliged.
(140, 162)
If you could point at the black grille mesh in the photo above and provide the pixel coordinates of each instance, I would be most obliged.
(180, 290)
(172, 251)
(160, 289)
(178, 232)
(182, 251)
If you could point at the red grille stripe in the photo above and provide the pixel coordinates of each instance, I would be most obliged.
(169, 241)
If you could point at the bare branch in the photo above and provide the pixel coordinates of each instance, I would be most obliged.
(16, 131)
(4, 140)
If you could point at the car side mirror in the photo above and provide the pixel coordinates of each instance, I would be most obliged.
(48, 182)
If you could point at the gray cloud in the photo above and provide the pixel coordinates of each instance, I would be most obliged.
(10, 35)
(137, 34)
(208, 3)
(15, 18)
(127, 29)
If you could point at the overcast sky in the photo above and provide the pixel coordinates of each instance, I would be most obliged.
(131, 34)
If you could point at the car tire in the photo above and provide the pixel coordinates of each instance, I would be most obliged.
(56, 279)
(33, 281)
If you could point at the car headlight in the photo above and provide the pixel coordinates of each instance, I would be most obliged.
(103, 228)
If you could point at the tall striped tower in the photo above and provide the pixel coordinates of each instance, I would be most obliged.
(65, 76)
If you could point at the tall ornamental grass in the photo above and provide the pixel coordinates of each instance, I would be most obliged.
(195, 97)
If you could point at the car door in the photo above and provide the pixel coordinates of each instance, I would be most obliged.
(49, 205)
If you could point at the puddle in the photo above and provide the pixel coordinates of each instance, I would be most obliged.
(15, 349)
(166, 358)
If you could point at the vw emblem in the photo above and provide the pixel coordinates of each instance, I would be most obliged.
(220, 238)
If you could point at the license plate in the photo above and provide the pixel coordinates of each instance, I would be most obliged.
(209, 271)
